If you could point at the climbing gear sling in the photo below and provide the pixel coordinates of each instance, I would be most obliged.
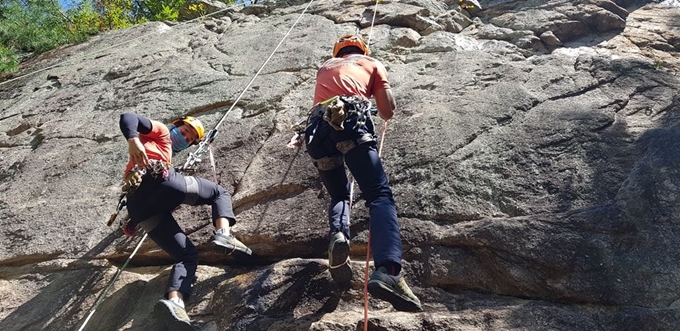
(133, 179)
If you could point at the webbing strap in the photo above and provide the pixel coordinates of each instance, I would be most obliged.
(212, 162)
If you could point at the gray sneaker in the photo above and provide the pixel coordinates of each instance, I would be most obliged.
(173, 316)
(338, 258)
(230, 243)
(394, 290)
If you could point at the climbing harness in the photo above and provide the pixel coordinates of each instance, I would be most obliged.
(133, 179)
(335, 111)
(338, 109)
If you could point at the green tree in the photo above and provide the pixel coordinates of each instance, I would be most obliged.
(161, 10)
(83, 19)
(35, 26)
(32, 25)
(8, 60)
(119, 14)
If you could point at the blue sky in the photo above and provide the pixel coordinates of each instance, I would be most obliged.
(65, 3)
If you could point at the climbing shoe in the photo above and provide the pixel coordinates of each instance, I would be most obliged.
(230, 243)
(173, 316)
(394, 290)
(338, 258)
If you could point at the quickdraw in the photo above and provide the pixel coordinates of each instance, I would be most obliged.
(122, 202)
(202, 147)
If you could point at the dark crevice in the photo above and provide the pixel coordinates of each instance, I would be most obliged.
(443, 219)
(237, 186)
(278, 192)
(103, 138)
(604, 126)
(9, 116)
(209, 107)
(19, 129)
(470, 139)
(584, 90)
(29, 259)
(206, 83)
(617, 104)
(255, 113)
(527, 107)
(37, 139)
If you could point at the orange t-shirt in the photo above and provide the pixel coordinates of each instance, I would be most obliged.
(157, 144)
(353, 74)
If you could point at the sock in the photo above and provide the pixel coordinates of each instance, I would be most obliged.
(178, 301)
(393, 268)
(224, 231)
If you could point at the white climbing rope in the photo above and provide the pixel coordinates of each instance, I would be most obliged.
(120, 271)
(196, 156)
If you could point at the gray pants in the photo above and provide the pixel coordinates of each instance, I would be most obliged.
(151, 207)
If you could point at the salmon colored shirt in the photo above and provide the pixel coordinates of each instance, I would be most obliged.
(157, 144)
(353, 74)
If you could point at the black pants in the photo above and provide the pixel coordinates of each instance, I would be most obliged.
(154, 201)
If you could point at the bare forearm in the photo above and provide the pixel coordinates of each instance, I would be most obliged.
(384, 101)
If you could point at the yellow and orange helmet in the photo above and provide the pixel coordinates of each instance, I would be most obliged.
(194, 123)
(350, 40)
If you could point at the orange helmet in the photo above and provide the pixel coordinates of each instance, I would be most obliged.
(350, 40)
(194, 123)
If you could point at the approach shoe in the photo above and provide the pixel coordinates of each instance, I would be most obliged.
(173, 316)
(394, 290)
(230, 243)
(338, 259)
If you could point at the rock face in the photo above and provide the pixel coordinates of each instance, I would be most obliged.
(534, 160)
